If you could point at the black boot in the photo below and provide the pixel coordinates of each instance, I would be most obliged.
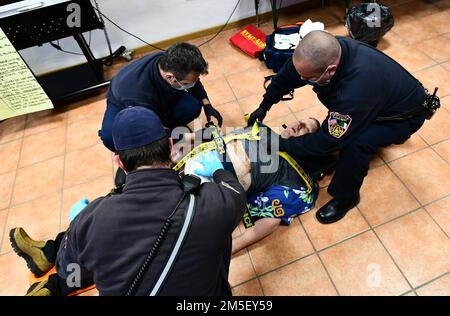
(335, 210)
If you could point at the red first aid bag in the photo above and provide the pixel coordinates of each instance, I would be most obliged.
(250, 40)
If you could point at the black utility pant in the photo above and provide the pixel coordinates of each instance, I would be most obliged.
(354, 160)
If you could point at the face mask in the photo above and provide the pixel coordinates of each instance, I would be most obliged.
(316, 82)
(183, 87)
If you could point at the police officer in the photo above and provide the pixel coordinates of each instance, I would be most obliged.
(111, 237)
(358, 84)
(167, 83)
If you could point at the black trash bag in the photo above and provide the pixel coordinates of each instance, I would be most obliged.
(368, 22)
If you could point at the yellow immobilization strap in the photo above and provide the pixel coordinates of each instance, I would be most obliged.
(212, 145)
(309, 182)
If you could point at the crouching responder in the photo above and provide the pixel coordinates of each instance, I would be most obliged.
(162, 236)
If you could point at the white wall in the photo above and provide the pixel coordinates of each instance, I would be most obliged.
(152, 20)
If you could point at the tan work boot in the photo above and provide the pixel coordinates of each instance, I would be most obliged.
(31, 250)
(38, 289)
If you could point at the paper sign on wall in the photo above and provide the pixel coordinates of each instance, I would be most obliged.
(20, 93)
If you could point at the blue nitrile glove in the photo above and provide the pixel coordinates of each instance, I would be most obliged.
(77, 208)
(210, 162)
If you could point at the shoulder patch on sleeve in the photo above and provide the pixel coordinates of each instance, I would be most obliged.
(338, 124)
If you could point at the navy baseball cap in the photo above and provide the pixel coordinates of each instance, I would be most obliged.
(136, 126)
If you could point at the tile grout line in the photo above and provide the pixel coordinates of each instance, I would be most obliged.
(415, 197)
(317, 254)
(52, 157)
(61, 211)
(387, 251)
(431, 281)
(3, 237)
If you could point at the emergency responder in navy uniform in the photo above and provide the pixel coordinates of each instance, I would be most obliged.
(358, 84)
(167, 83)
(111, 237)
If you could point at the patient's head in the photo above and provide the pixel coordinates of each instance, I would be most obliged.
(302, 127)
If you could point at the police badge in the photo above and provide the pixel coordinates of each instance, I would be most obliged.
(338, 124)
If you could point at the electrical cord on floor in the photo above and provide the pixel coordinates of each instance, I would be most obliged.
(159, 48)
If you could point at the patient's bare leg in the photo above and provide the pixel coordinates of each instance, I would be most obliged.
(261, 229)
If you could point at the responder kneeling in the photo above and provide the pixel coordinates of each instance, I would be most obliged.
(148, 240)
(372, 101)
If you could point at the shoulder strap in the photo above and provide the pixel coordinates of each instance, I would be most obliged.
(178, 245)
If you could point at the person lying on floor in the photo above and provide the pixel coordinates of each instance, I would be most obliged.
(275, 194)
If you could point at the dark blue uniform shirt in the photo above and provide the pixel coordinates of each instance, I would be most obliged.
(112, 236)
(140, 84)
(367, 84)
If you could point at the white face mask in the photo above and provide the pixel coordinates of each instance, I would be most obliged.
(183, 87)
(316, 82)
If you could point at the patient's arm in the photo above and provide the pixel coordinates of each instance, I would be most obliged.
(261, 229)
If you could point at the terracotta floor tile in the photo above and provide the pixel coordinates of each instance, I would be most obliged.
(79, 165)
(376, 161)
(237, 61)
(438, 22)
(286, 244)
(325, 235)
(436, 129)
(214, 70)
(12, 129)
(446, 65)
(13, 275)
(412, 59)
(337, 29)
(416, 9)
(440, 211)
(89, 108)
(42, 146)
(443, 149)
(304, 98)
(391, 41)
(219, 92)
(248, 83)
(241, 268)
(251, 103)
(445, 103)
(326, 180)
(6, 188)
(384, 197)
(361, 266)
(38, 180)
(420, 172)
(414, 30)
(305, 277)
(440, 287)
(45, 120)
(3, 217)
(319, 112)
(435, 76)
(233, 116)
(91, 190)
(418, 246)
(93, 292)
(40, 218)
(251, 288)
(392, 152)
(82, 134)
(437, 48)
(11, 151)
(221, 45)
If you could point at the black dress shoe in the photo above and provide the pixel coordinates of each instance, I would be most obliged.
(335, 210)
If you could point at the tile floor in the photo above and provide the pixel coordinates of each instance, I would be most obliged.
(395, 242)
